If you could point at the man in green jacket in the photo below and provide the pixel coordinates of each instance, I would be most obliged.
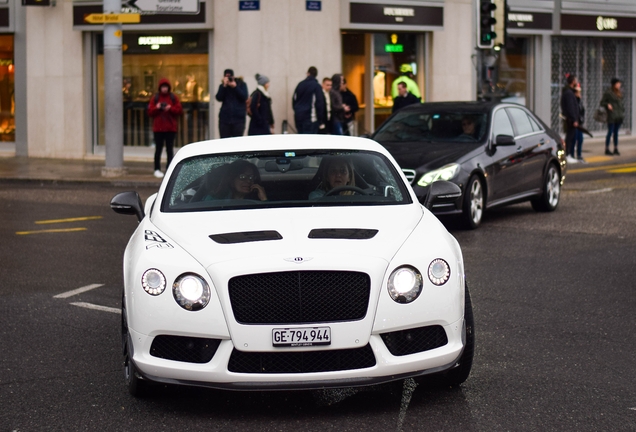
(613, 102)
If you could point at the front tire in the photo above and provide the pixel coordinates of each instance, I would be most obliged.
(460, 373)
(474, 203)
(549, 199)
(136, 385)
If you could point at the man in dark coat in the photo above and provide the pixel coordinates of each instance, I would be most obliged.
(309, 104)
(404, 98)
(350, 102)
(233, 94)
(570, 110)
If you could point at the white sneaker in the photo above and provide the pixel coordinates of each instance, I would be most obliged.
(159, 174)
(569, 160)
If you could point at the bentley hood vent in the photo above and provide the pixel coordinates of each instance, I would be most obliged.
(343, 233)
(245, 237)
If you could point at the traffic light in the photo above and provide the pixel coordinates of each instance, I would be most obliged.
(486, 23)
(501, 12)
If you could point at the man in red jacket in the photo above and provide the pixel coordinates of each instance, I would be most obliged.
(165, 109)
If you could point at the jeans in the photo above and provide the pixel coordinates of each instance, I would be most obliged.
(162, 138)
(336, 128)
(570, 138)
(228, 130)
(612, 129)
(578, 143)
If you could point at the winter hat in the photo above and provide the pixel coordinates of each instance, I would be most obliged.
(261, 79)
(614, 81)
(228, 72)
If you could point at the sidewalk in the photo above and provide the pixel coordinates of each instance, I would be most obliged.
(140, 173)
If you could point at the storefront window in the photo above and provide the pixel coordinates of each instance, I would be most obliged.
(394, 54)
(512, 67)
(182, 58)
(7, 101)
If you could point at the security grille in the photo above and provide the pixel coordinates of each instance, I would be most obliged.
(595, 61)
(299, 297)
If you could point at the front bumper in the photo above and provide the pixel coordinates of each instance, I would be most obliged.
(216, 373)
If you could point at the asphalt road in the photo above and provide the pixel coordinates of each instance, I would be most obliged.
(553, 296)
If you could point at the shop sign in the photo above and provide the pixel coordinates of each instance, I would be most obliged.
(367, 13)
(80, 11)
(529, 20)
(166, 6)
(36, 2)
(249, 5)
(313, 5)
(598, 23)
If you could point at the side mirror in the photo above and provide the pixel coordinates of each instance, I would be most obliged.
(442, 192)
(504, 140)
(128, 203)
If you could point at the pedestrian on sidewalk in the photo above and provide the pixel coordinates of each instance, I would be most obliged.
(578, 138)
(165, 109)
(404, 98)
(232, 94)
(613, 102)
(570, 110)
(337, 107)
(262, 122)
(325, 128)
(350, 102)
(308, 103)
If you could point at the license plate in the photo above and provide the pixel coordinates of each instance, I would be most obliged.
(301, 336)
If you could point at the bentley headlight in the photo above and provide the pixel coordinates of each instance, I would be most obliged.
(191, 291)
(153, 282)
(405, 284)
(444, 173)
(438, 272)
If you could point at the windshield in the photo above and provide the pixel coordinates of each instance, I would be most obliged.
(291, 178)
(438, 126)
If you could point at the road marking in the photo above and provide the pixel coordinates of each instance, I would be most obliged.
(78, 291)
(76, 219)
(50, 231)
(598, 191)
(623, 170)
(594, 159)
(600, 168)
(97, 307)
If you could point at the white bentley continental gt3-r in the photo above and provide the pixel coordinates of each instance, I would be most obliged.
(291, 262)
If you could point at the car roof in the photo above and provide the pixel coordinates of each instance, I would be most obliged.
(278, 142)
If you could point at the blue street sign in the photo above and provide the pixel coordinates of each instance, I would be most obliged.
(313, 5)
(249, 5)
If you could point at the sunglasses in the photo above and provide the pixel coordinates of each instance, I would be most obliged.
(246, 177)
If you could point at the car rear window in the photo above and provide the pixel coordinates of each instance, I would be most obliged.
(292, 178)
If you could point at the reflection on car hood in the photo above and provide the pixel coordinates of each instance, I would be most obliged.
(428, 155)
(192, 231)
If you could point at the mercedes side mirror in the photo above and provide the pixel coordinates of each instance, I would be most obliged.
(442, 192)
(504, 140)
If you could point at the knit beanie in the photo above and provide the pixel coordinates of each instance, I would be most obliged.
(261, 79)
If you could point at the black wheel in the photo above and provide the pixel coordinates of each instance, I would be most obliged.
(136, 385)
(339, 189)
(474, 203)
(549, 199)
(460, 372)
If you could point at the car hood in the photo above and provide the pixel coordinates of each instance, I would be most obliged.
(428, 155)
(353, 233)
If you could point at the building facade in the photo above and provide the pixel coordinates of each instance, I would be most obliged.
(52, 62)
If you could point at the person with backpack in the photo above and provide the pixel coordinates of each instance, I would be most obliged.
(260, 109)
(165, 109)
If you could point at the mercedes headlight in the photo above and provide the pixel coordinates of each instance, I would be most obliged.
(153, 282)
(444, 173)
(438, 272)
(191, 291)
(405, 284)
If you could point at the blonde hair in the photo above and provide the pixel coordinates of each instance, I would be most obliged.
(323, 172)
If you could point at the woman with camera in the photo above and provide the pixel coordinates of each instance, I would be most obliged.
(164, 107)
(232, 94)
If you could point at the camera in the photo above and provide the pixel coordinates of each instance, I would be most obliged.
(163, 105)
(230, 79)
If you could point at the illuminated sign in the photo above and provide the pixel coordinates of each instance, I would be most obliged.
(394, 48)
(154, 41)
(606, 23)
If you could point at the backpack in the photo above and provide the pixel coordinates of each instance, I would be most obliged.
(248, 103)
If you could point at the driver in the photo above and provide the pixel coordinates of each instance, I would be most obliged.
(468, 127)
(334, 172)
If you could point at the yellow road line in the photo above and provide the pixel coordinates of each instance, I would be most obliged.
(50, 231)
(600, 168)
(594, 159)
(77, 219)
(623, 170)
